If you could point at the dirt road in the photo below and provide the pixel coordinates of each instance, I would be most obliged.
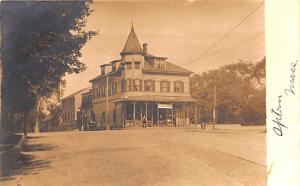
(152, 156)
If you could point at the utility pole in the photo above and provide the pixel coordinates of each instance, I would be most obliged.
(215, 103)
(107, 115)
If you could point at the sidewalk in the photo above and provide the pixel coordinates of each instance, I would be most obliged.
(230, 128)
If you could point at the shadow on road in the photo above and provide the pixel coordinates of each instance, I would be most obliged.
(34, 137)
(38, 147)
(27, 163)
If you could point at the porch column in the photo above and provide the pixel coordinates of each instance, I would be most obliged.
(196, 114)
(152, 115)
(134, 113)
(157, 115)
(141, 109)
(172, 114)
(146, 114)
(184, 113)
(124, 113)
(188, 114)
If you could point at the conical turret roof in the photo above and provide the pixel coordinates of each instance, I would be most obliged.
(132, 44)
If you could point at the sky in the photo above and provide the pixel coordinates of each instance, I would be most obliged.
(179, 30)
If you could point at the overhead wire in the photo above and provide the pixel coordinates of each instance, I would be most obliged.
(225, 35)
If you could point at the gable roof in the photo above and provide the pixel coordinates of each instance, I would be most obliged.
(170, 69)
(78, 92)
(132, 44)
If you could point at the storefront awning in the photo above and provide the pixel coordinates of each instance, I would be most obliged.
(156, 98)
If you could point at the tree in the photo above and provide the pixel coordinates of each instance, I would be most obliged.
(41, 42)
(240, 92)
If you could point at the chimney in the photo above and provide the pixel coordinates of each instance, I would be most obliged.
(145, 47)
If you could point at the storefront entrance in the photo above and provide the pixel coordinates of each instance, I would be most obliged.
(157, 113)
(165, 114)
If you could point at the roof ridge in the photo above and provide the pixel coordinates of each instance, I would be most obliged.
(77, 92)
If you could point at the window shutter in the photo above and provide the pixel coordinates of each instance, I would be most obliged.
(153, 85)
(129, 85)
(161, 87)
(123, 85)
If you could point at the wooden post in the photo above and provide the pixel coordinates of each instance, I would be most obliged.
(124, 113)
(196, 114)
(107, 114)
(215, 102)
(152, 115)
(184, 115)
(141, 114)
(172, 115)
(157, 115)
(133, 113)
(146, 114)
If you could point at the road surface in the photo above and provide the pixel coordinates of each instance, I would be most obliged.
(136, 157)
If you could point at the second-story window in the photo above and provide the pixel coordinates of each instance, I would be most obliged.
(123, 85)
(137, 85)
(110, 89)
(149, 85)
(102, 91)
(137, 65)
(165, 86)
(128, 66)
(128, 84)
(178, 87)
(116, 89)
(98, 92)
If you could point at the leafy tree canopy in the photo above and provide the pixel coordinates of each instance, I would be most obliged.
(41, 42)
(240, 90)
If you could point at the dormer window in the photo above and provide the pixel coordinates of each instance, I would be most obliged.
(102, 70)
(137, 65)
(128, 65)
(162, 64)
(113, 67)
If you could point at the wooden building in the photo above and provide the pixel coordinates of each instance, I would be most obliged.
(141, 84)
(86, 111)
(71, 109)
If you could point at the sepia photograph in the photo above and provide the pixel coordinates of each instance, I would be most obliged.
(133, 93)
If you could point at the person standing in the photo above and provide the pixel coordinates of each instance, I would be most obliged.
(144, 122)
(174, 120)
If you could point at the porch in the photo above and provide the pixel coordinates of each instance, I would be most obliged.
(156, 113)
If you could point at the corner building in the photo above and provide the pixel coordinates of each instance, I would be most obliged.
(141, 84)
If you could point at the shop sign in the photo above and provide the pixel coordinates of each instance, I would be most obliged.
(165, 106)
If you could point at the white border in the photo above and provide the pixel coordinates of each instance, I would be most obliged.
(282, 49)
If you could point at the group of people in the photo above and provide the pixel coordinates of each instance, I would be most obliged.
(161, 123)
